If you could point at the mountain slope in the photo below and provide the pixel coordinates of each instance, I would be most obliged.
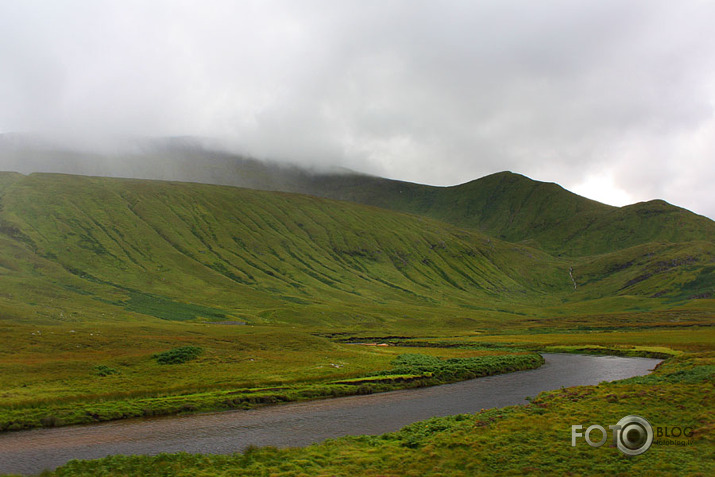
(127, 243)
(74, 246)
(503, 205)
(517, 209)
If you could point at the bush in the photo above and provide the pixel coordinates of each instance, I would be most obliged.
(103, 370)
(178, 355)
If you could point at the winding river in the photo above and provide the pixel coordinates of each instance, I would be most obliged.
(300, 424)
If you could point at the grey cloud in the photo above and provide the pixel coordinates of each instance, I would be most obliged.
(434, 92)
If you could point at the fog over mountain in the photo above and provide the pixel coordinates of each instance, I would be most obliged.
(184, 159)
(613, 100)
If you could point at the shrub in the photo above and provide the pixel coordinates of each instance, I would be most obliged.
(457, 369)
(178, 355)
(102, 370)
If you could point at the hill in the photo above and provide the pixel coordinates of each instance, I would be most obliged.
(515, 208)
(186, 250)
(75, 246)
(100, 276)
(504, 205)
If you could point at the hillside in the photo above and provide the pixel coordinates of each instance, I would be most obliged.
(517, 209)
(505, 205)
(185, 250)
(74, 247)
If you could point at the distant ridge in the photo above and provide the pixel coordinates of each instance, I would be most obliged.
(515, 208)
(504, 205)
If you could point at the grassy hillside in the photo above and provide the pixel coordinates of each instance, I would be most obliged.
(106, 254)
(180, 251)
(504, 205)
(517, 209)
(73, 246)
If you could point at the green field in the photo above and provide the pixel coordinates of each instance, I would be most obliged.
(126, 298)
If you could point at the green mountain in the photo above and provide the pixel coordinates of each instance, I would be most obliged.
(505, 205)
(156, 248)
(515, 208)
(80, 248)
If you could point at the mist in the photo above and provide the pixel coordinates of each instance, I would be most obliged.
(613, 100)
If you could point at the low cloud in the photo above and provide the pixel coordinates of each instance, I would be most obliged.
(433, 92)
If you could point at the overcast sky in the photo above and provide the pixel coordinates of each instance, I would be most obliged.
(612, 99)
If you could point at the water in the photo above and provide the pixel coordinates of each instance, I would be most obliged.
(300, 424)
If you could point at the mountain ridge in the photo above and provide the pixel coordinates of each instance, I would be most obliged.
(504, 205)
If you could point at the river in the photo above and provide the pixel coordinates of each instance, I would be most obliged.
(300, 424)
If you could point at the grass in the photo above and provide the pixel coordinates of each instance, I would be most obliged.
(85, 372)
(512, 207)
(75, 248)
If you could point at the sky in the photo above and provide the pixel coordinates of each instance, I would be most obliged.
(612, 99)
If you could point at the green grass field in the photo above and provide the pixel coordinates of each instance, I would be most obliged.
(89, 374)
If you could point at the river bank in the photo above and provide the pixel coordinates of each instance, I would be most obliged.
(401, 376)
(301, 424)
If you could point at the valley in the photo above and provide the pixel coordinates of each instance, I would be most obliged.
(272, 289)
